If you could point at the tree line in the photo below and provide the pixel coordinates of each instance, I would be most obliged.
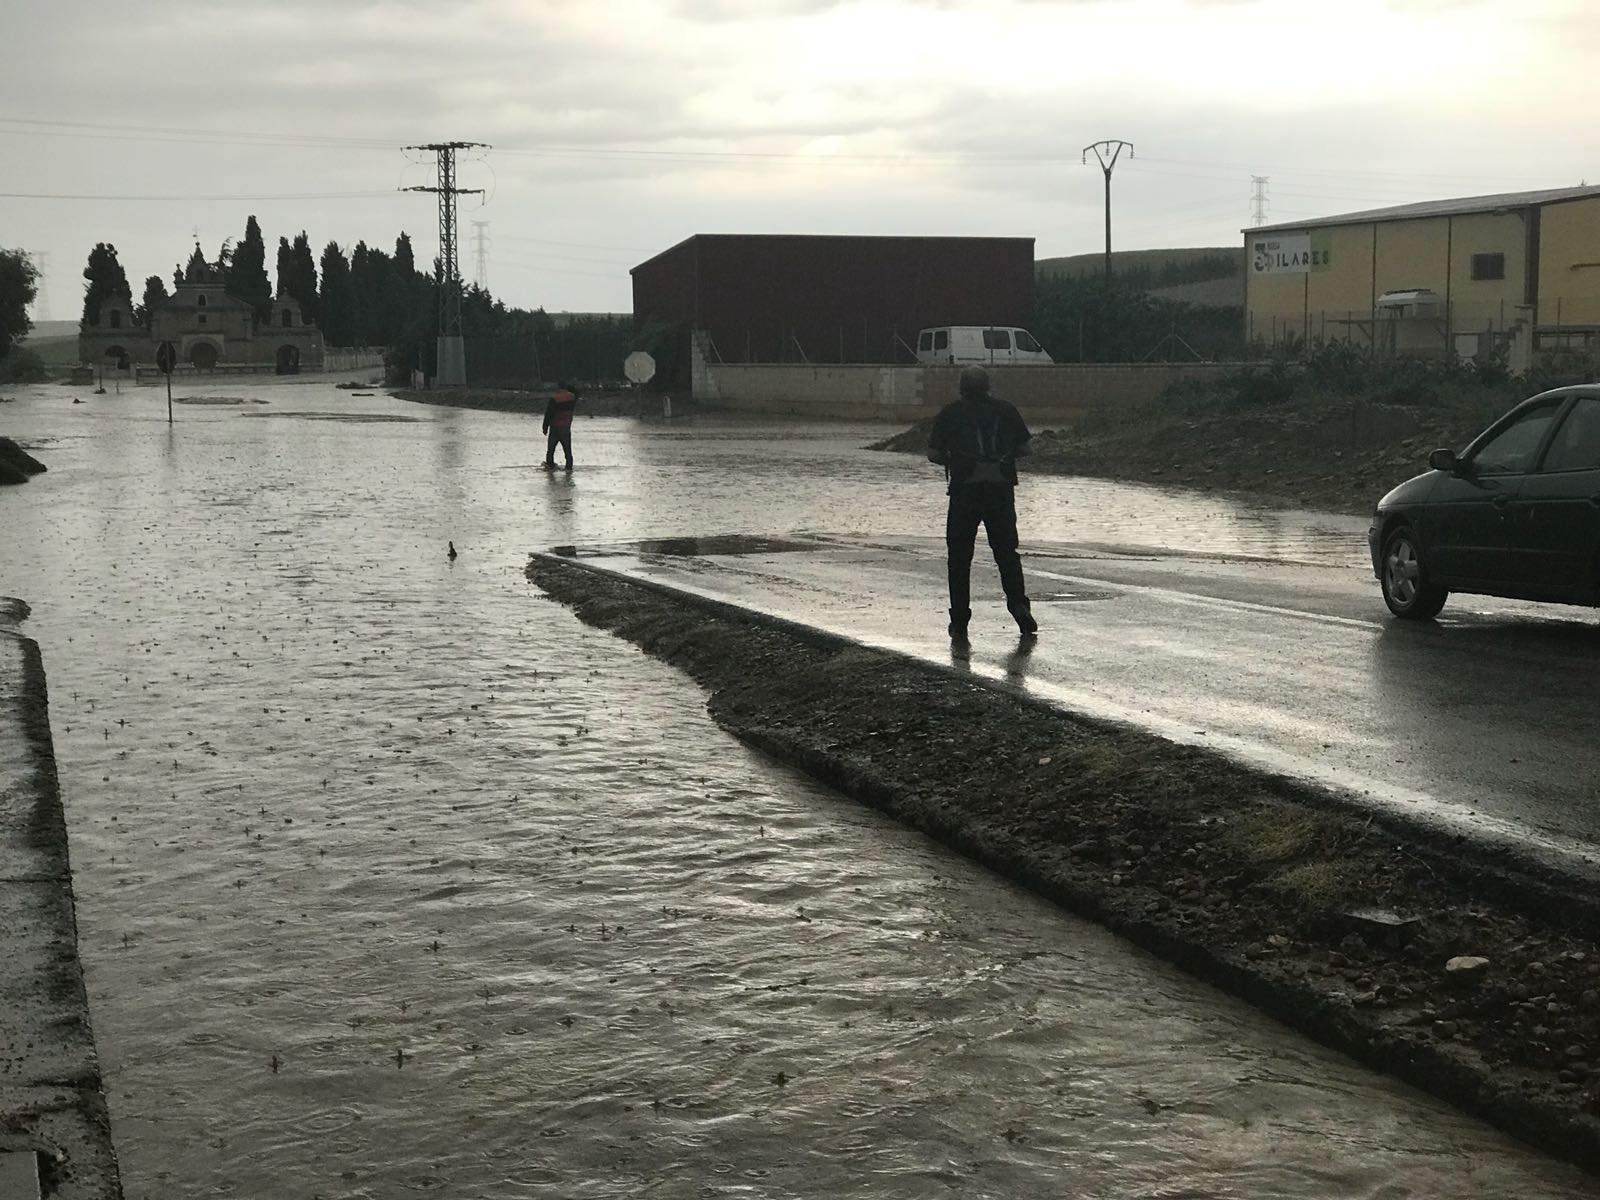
(364, 297)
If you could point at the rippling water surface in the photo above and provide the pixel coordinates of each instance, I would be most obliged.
(394, 879)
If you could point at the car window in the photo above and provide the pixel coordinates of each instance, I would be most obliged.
(997, 339)
(925, 342)
(941, 339)
(1511, 451)
(1576, 446)
(1025, 341)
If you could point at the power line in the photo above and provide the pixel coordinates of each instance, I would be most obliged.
(615, 276)
(100, 129)
(1340, 171)
(130, 132)
(511, 237)
(203, 199)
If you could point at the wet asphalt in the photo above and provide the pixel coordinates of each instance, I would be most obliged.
(1480, 722)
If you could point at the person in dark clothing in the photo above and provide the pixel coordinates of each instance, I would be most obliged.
(978, 440)
(558, 424)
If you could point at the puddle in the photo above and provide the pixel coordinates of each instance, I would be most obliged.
(689, 547)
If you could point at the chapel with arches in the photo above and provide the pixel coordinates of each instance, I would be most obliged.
(210, 329)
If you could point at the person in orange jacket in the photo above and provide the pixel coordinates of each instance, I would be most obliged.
(558, 424)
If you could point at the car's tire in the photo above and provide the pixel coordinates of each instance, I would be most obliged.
(1407, 589)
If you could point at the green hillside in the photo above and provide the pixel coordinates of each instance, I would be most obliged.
(1151, 268)
(54, 351)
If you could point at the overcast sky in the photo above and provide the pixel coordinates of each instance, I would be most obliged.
(620, 127)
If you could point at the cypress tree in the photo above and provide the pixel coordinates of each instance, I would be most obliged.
(106, 281)
(285, 267)
(303, 278)
(155, 295)
(334, 302)
(247, 272)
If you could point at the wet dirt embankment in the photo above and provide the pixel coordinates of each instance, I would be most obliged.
(1419, 955)
(52, 1107)
(1331, 457)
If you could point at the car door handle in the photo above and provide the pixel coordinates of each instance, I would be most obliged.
(1501, 500)
(1595, 499)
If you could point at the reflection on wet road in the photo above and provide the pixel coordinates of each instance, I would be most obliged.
(394, 878)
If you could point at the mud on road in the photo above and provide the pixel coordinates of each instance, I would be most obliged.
(1288, 897)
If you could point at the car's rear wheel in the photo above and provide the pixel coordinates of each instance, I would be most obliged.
(1406, 587)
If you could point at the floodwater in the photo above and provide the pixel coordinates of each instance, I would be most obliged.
(394, 879)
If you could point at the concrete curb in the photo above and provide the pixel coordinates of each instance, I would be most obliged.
(52, 1103)
(1293, 984)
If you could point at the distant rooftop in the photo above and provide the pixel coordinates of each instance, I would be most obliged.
(1437, 208)
(827, 237)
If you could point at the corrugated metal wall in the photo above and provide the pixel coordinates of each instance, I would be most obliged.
(832, 299)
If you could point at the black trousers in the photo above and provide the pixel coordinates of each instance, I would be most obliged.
(559, 437)
(992, 505)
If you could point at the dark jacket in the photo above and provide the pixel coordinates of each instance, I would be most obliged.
(982, 436)
(558, 413)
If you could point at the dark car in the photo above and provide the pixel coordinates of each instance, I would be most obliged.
(1517, 513)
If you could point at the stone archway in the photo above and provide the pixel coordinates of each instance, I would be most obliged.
(288, 360)
(118, 356)
(203, 355)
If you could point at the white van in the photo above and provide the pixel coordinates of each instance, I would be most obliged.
(1001, 344)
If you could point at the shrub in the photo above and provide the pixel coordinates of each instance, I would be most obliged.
(1253, 387)
(1559, 368)
(22, 366)
(1339, 366)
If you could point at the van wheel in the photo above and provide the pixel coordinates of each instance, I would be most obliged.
(1406, 588)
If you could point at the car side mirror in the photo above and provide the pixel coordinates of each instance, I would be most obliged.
(1444, 460)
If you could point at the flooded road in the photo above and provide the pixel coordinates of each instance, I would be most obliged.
(394, 879)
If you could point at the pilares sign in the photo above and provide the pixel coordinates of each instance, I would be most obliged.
(1294, 255)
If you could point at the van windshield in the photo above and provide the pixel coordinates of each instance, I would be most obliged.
(1025, 341)
(925, 342)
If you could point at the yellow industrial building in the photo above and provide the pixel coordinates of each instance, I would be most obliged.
(1512, 273)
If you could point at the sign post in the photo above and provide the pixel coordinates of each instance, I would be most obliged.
(640, 368)
(166, 359)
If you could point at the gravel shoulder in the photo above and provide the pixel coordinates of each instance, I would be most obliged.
(1422, 956)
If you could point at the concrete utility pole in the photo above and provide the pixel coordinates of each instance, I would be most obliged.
(1258, 199)
(480, 241)
(452, 354)
(1107, 153)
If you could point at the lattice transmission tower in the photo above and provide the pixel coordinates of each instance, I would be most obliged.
(1258, 199)
(452, 370)
(41, 298)
(480, 250)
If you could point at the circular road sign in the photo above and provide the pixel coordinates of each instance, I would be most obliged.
(166, 357)
(639, 367)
